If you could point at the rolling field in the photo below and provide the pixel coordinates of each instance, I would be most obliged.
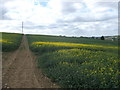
(50, 43)
(77, 62)
(59, 44)
(10, 41)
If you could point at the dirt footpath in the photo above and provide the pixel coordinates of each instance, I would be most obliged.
(19, 70)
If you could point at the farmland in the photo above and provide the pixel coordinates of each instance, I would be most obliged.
(77, 62)
(50, 43)
(10, 41)
(19, 68)
(68, 61)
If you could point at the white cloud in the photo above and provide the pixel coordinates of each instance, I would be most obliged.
(81, 17)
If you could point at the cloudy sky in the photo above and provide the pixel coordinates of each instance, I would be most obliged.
(60, 17)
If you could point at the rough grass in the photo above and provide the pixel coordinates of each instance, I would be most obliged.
(10, 41)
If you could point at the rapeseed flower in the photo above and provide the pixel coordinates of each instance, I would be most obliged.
(5, 41)
(70, 44)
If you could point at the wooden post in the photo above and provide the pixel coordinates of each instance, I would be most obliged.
(22, 27)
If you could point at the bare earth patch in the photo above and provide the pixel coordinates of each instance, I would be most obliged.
(19, 70)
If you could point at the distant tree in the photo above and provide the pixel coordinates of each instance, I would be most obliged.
(93, 37)
(102, 38)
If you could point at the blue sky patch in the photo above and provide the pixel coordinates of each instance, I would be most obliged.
(110, 10)
(43, 4)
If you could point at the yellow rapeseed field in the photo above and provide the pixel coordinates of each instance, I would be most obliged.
(10, 41)
(5, 41)
(38, 44)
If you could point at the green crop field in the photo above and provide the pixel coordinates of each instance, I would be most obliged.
(10, 41)
(77, 62)
(50, 43)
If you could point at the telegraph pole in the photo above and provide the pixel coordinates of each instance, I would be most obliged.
(22, 27)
